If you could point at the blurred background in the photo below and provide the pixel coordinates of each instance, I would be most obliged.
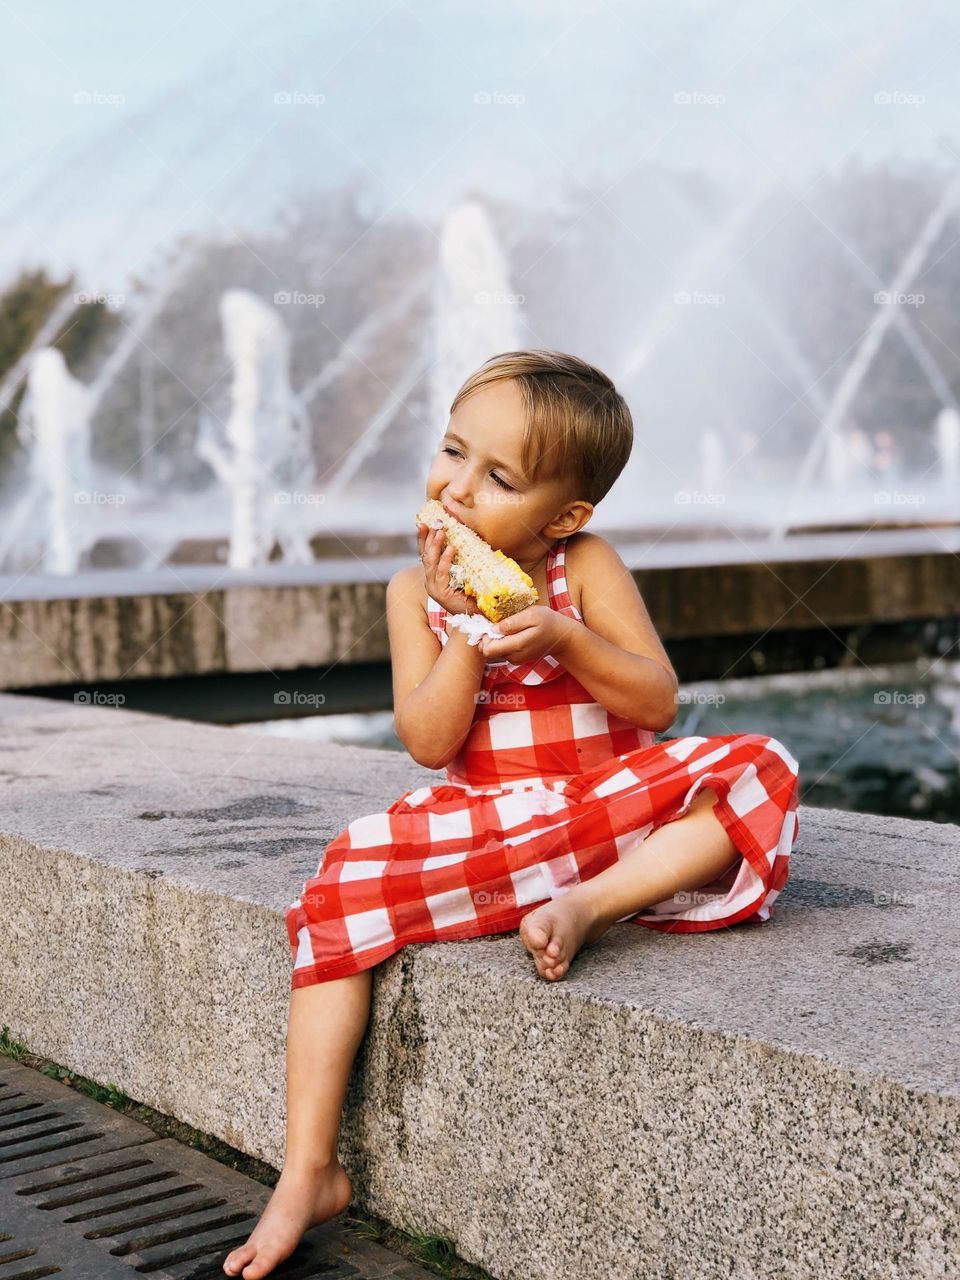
(249, 254)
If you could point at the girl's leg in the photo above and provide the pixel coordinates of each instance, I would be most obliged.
(685, 854)
(325, 1026)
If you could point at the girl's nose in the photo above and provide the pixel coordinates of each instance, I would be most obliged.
(458, 493)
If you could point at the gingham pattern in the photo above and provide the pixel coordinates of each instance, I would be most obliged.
(548, 789)
(534, 721)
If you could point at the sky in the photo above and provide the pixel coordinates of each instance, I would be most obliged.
(129, 124)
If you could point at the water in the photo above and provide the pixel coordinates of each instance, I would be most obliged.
(265, 451)
(54, 424)
(745, 326)
(261, 456)
(885, 742)
(461, 308)
(838, 413)
(948, 447)
(474, 311)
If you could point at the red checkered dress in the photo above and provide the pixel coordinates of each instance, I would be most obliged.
(548, 789)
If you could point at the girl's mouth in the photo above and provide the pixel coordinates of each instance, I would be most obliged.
(452, 513)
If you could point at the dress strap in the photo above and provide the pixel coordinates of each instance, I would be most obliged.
(557, 578)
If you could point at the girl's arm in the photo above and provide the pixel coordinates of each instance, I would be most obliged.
(617, 656)
(435, 686)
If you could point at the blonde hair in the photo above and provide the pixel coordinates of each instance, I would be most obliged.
(578, 425)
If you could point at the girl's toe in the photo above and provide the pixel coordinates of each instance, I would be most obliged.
(536, 934)
(236, 1261)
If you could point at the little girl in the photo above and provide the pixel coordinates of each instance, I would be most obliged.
(560, 815)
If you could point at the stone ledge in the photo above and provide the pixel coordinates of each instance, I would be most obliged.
(773, 1100)
(200, 620)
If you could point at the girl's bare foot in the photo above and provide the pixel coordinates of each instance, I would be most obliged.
(555, 932)
(300, 1200)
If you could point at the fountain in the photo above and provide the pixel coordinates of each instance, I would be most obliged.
(947, 430)
(711, 461)
(473, 319)
(54, 424)
(265, 454)
(869, 345)
(726, 443)
(474, 310)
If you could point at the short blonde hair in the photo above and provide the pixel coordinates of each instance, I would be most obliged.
(578, 425)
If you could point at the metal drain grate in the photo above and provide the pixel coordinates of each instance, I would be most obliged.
(89, 1194)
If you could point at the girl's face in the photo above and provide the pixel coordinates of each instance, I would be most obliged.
(477, 476)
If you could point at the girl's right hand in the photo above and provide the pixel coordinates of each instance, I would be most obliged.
(437, 559)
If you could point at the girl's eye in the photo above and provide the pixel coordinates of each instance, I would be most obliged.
(502, 483)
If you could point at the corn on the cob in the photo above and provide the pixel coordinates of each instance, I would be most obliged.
(497, 583)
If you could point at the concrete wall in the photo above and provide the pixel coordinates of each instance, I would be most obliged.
(120, 625)
(773, 1100)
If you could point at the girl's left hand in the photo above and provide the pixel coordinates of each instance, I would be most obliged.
(527, 635)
